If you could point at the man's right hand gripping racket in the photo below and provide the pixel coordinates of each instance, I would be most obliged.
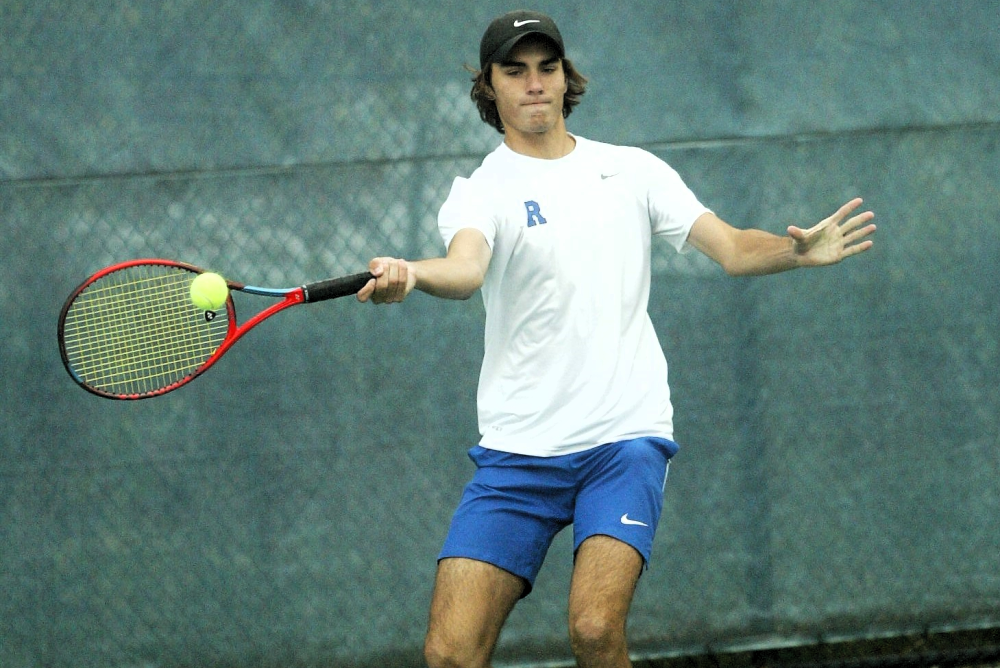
(131, 331)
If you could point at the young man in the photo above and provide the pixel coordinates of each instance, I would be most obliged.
(573, 402)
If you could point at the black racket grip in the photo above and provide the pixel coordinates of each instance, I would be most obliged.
(335, 287)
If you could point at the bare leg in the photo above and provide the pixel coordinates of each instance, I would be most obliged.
(604, 579)
(471, 602)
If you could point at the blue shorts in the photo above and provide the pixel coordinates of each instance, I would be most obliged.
(516, 504)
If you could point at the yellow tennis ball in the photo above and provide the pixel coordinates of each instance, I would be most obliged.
(209, 291)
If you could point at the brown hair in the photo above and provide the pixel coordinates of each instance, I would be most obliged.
(482, 93)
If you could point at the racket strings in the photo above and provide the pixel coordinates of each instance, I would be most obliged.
(136, 331)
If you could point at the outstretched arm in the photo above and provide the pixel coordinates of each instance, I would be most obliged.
(754, 252)
(456, 276)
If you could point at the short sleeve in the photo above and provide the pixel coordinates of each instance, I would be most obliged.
(673, 208)
(464, 209)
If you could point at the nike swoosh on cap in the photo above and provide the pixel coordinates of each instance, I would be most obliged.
(626, 520)
(518, 24)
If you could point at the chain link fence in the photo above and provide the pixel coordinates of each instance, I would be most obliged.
(838, 473)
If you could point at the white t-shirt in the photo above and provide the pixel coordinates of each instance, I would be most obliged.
(571, 359)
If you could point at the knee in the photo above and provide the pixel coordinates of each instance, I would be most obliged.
(440, 653)
(594, 636)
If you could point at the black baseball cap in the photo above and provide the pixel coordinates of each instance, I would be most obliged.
(505, 31)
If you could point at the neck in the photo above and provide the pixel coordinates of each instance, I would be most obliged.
(551, 145)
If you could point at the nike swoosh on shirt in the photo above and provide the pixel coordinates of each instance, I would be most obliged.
(626, 520)
(518, 24)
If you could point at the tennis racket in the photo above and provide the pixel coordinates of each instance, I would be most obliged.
(130, 331)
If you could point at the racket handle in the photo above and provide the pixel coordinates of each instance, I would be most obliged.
(335, 287)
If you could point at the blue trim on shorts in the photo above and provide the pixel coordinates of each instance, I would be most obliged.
(515, 505)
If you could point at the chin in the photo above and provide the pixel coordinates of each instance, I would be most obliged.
(537, 124)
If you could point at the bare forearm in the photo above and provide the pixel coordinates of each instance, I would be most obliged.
(757, 252)
(455, 276)
(448, 278)
(754, 252)
(742, 252)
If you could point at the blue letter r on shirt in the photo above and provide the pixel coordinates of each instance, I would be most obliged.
(534, 213)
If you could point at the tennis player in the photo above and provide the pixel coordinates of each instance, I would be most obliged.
(573, 402)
